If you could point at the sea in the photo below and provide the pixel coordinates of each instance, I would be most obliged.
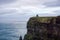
(12, 31)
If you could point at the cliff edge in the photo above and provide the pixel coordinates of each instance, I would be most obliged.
(43, 28)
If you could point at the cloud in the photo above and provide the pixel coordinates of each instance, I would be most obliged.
(57, 12)
(2, 2)
(21, 10)
(54, 3)
(30, 6)
(7, 11)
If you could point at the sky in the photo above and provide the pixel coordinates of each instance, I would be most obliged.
(15, 11)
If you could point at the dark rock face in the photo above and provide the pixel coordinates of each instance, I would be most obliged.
(43, 28)
(58, 20)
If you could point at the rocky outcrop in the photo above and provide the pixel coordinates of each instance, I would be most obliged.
(43, 28)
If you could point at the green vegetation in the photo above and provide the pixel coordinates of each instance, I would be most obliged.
(41, 19)
(28, 37)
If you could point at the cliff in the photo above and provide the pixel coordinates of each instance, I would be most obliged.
(43, 28)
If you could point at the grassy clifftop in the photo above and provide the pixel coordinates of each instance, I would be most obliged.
(41, 20)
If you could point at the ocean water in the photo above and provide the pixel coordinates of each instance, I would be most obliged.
(12, 31)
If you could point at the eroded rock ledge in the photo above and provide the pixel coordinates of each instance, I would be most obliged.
(43, 28)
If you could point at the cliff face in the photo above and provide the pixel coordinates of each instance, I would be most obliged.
(43, 28)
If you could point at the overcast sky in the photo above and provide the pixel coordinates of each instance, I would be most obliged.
(12, 11)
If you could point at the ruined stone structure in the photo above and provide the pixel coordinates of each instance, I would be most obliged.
(43, 28)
